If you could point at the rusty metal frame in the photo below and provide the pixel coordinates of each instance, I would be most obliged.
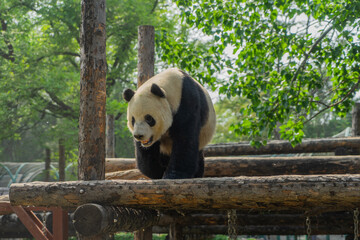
(33, 223)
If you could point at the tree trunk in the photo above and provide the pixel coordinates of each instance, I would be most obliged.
(284, 147)
(110, 136)
(62, 160)
(319, 193)
(356, 120)
(252, 166)
(146, 53)
(92, 119)
(145, 67)
(47, 164)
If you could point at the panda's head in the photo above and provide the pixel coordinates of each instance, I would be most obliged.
(149, 114)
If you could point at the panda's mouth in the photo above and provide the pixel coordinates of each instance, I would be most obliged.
(148, 142)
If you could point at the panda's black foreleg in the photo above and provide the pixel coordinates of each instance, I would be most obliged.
(184, 159)
(148, 160)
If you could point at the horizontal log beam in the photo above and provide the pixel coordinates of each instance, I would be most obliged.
(343, 145)
(251, 224)
(258, 230)
(94, 219)
(254, 166)
(321, 193)
(132, 174)
(259, 219)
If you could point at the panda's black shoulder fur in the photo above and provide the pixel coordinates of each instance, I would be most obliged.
(193, 91)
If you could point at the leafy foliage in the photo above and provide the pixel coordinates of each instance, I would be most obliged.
(40, 63)
(280, 56)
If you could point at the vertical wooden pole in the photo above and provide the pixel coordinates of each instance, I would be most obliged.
(145, 66)
(146, 53)
(356, 120)
(110, 136)
(175, 232)
(92, 120)
(62, 160)
(47, 164)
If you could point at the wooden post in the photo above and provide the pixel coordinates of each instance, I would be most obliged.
(92, 120)
(146, 53)
(110, 136)
(175, 232)
(145, 66)
(47, 164)
(356, 120)
(62, 160)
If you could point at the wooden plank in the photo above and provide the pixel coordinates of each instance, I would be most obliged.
(350, 144)
(320, 193)
(60, 224)
(253, 166)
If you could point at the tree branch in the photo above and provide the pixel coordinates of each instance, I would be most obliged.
(337, 103)
(307, 55)
(60, 107)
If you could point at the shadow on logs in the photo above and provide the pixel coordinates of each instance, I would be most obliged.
(93, 219)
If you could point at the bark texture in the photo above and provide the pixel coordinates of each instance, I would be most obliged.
(356, 120)
(320, 193)
(92, 120)
(94, 219)
(146, 53)
(252, 166)
(351, 145)
(110, 136)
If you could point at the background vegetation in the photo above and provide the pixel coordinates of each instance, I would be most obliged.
(277, 69)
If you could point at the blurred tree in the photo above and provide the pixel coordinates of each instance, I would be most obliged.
(277, 54)
(39, 69)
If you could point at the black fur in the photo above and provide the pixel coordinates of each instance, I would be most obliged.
(128, 94)
(186, 161)
(150, 161)
(155, 89)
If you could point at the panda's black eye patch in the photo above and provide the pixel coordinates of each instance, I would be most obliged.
(150, 120)
(133, 121)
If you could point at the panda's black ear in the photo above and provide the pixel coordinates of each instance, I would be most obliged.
(155, 89)
(128, 94)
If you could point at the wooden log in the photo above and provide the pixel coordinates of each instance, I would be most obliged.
(283, 147)
(258, 230)
(94, 219)
(254, 166)
(327, 223)
(62, 160)
(145, 67)
(320, 193)
(146, 53)
(119, 164)
(110, 136)
(92, 120)
(259, 219)
(355, 125)
(132, 174)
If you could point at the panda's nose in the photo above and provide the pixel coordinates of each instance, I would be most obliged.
(138, 136)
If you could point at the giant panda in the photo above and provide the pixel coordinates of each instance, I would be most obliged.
(171, 118)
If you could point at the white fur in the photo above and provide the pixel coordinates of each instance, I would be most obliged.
(162, 110)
